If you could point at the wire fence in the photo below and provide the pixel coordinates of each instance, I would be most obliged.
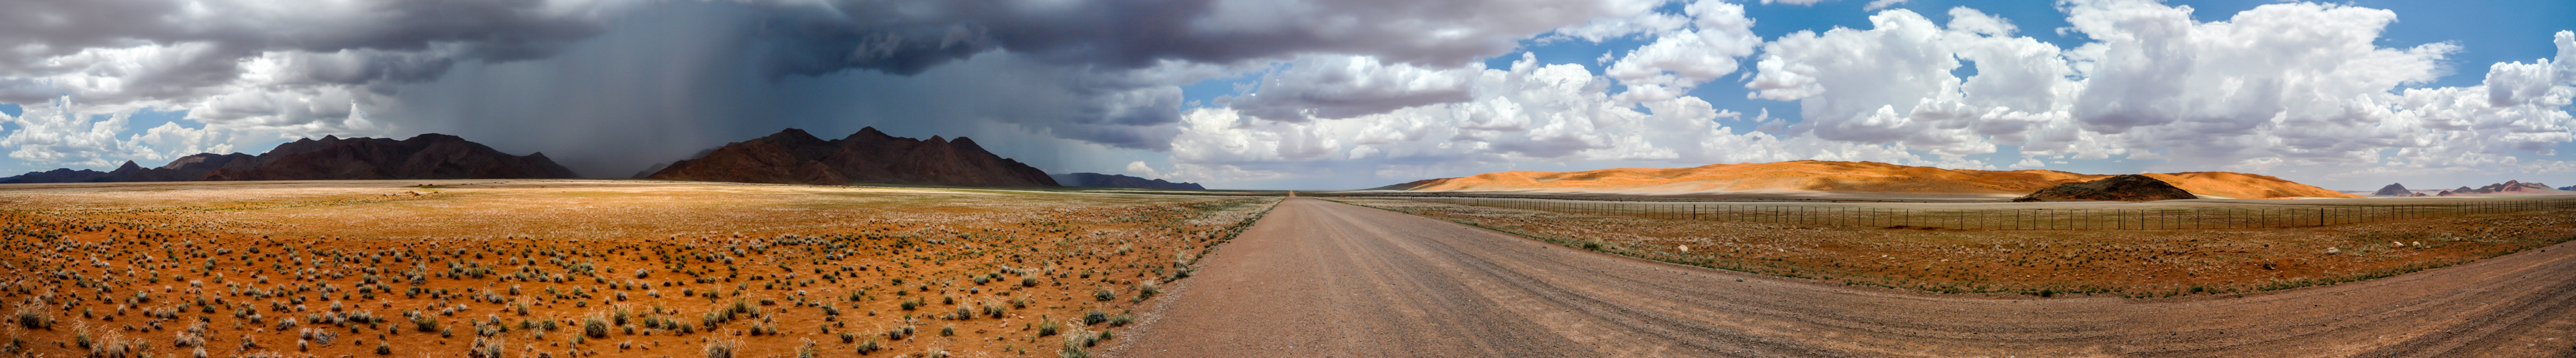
(2211, 216)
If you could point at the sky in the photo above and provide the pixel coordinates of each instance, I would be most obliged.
(1330, 94)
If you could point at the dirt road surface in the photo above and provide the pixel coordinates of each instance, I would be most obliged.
(1322, 279)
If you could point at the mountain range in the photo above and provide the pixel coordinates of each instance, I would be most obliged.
(2508, 188)
(1098, 180)
(793, 156)
(1810, 176)
(426, 156)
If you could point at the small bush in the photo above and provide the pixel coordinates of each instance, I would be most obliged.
(1095, 317)
(869, 347)
(424, 323)
(1104, 294)
(594, 327)
(720, 349)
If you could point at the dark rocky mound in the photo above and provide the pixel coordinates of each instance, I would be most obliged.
(2393, 190)
(1098, 180)
(2131, 187)
(426, 156)
(56, 176)
(869, 156)
(2507, 187)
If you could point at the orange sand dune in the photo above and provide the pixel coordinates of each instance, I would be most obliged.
(1825, 176)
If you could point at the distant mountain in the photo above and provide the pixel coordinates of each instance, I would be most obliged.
(2127, 187)
(426, 156)
(56, 176)
(2507, 188)
(1830, 176)
(869, 156)
(2393, 189)
(1098, 180)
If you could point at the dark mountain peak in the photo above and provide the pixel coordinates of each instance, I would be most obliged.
(793, 138)
(434, 138)
(129, 166)
(868, 156)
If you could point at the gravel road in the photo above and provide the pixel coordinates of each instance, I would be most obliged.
(1316, 278)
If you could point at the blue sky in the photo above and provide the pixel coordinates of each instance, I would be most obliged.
(1254, 94)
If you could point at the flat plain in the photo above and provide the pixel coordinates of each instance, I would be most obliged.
(1318, 278)
(570, 268)
(2046, 249)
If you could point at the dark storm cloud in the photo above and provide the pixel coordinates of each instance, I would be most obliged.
(904, 37)
(187, 50)
(584, 80)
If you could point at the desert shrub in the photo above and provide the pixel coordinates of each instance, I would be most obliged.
(424, 323)
(594, 327)
(32, 318)
(720, 349)
(1104, 294)
(869, 346)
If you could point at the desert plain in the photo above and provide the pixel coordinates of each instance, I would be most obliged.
(573, 268)
(651, 268)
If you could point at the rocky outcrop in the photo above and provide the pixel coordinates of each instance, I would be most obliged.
(426, 156)
(2393, 190)
(793, 156)
(1098, 180)
(2131, 187)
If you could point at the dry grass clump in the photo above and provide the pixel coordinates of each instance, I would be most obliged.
(2128, 263)
(640, 268)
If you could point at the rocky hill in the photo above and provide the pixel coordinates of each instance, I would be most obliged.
(1098, 180)
(793, 156)
(2393, 190)
(1829, 176)
(2128, 187)
(426, 156)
